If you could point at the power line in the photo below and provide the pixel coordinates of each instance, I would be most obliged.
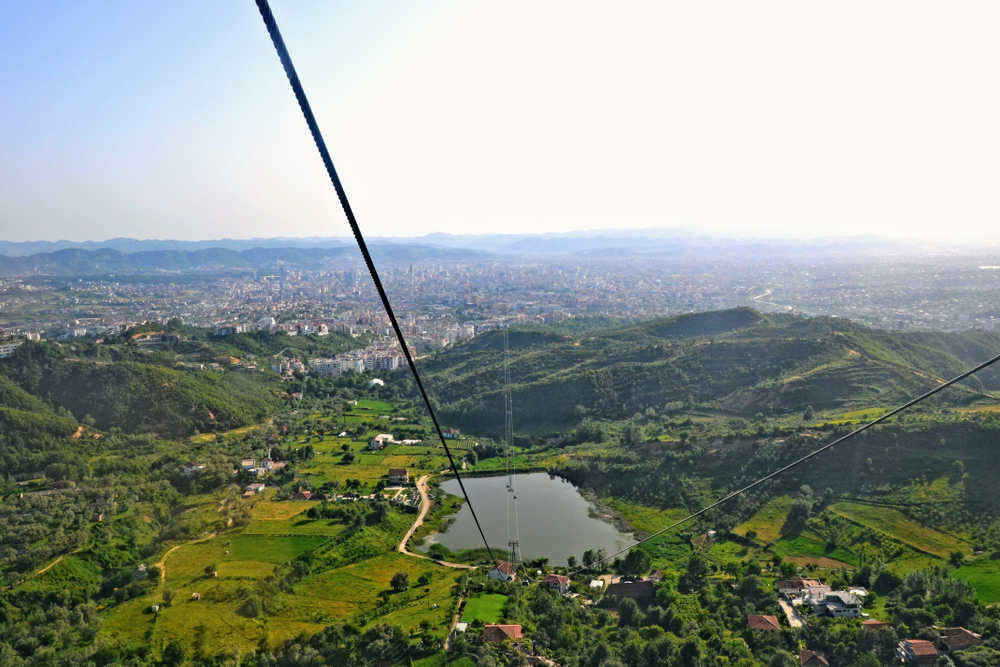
(300, 95)
(805, 458)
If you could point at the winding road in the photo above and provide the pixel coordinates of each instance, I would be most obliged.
(425, 506)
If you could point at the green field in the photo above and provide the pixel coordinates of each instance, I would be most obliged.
(898, 525)
(984, 574)
(485, 607)
(769, 520)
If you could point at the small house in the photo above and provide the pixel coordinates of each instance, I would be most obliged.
(190, 469)
(873, 625)
(399, 476)
(956, 639)
(557, 582)
(763, 623)
(795, 586)
(813, 659)
(638, 590)
(711, 534)
(256, 487)
(497, 634)
(195, 597)
(302, 495)
(596, 584)
(917, 652)
(452, 434)
(503, 571)
(155, 608)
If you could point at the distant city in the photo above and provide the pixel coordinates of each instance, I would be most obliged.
(455, 293)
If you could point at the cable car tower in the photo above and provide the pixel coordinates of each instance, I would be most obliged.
(513, 540)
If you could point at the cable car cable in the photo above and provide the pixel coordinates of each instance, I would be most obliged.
(300, 96)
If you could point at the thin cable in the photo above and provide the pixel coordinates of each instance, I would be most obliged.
(300, 95)
(805, 458)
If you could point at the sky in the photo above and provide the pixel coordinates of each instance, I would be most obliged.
(770, 119)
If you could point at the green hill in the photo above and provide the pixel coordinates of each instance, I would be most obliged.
(135, 397)
(736, 362)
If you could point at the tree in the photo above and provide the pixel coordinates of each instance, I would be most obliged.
(168, 595)
(637, 562)
(345, 446)
(956, 558)
(174, 654)
(751, 536)
(400, 582)
(808, 414)
(210, 569)
(348, 457)
(630, 436)
(425, 579)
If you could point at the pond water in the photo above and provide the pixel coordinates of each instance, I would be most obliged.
(553, 519)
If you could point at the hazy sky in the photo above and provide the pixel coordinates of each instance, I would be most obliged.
(174, 120)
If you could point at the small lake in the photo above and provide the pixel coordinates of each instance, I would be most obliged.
(553, 519)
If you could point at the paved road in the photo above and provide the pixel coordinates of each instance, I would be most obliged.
(425, 505)
(791, 613)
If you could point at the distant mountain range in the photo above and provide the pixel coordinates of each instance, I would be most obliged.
(79, 262)
(131, 255)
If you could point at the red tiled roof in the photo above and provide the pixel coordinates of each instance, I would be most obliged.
(764, 623)
(555, 579)
(812, 659)
(397, 472)
(506, 568)
(959, 638)
(921, 647)
(500, 633)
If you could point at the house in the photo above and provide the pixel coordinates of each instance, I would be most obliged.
(497, 634)
(191, 468)
(873, 625)
(557, 582)
(711, 534)
(302, 495)
(297, 396)
(794, 586)
(195, 597)
(917, 652)
(452, 434)
(596, 584)
(839, 604)
(380, 441)
(815, 594)
(255, 488)
(638, 590)
(956, 639)
(503, 571)
(655, 575)
(763, 623)
(813, 659)
(399, 476)
(155, 608)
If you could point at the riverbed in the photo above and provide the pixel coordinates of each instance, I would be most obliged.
(553, 519)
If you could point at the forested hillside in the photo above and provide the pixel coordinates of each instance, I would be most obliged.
(735, 363)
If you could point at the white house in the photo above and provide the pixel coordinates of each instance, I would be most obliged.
(839, 604)
(503, 571)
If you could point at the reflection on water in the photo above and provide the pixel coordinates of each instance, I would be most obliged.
(553, 519)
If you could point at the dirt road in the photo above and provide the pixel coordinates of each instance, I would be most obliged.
(425, 506)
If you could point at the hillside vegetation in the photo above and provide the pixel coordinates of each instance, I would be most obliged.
(736, 362)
